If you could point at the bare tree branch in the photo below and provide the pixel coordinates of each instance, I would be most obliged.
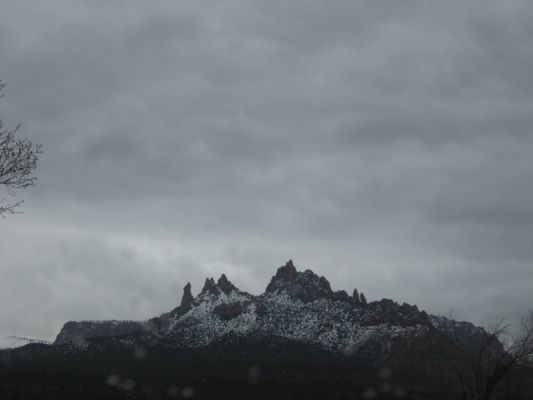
(18, 160)
(490, 366)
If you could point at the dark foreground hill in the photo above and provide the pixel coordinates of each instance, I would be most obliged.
(245, 368)
(298, 340)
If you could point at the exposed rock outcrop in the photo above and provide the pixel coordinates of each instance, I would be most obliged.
(362, 301)
(388, 311)
(228, 311)
(355, 297)
(186, 299)
(210, 287)
(80, 332)
(285, 273)
(225, 285)
(295, 306)
(305, 286)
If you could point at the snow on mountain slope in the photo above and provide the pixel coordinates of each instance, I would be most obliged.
(296, 305)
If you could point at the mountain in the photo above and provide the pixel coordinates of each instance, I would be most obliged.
(296, 305)
(299, 339)
(11, 342)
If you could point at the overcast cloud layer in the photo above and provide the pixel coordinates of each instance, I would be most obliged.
(385, 145)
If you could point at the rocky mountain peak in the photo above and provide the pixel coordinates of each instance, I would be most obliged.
(297, 305)
(210, 287)
(187, 298)
(306, 286)
(388, 311)
(225, 285)
(287, 272)
(356, 298)
(362, 298)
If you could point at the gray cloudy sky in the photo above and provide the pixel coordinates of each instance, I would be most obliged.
(386, 145)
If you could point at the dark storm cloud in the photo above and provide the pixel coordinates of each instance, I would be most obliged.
(385, 145)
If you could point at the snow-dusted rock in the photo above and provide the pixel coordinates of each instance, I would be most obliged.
(79, 332)
(296, 305)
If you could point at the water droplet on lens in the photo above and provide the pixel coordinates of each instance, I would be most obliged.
(349, 350)
(128, 384)
(384, 373)
(385, 387)
(139, 353)
(253, 374)
(113, 380)
(173, 391)
(399, 392)
(187, 392)
(369, 393)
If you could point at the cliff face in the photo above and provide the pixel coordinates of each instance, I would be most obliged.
(80, 332)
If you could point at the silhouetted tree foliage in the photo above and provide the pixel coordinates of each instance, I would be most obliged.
(497, 367)
(18, 160)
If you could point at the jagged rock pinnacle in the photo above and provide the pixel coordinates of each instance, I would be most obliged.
(305, 286)
(186, 299)
(297, 305)
(363, 299)
(356, 298)
(287, 272)
(224, 284)
(210, 286)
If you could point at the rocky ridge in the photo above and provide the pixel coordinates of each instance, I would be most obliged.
(296, 305)
(11, 342)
